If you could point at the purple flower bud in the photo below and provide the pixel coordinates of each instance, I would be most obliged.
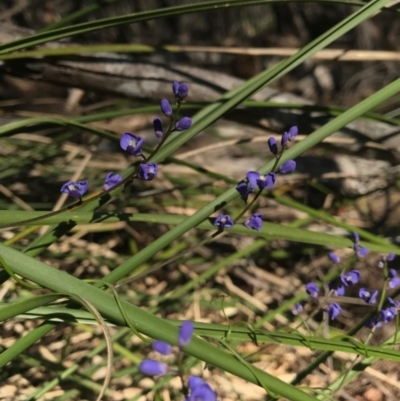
(254, 222)
(223, 221)
(273, 147)
(158, 129)
(185, 333)
(350, 278)
(362, 252)
(334, 258)
(298, 308)
(147, 171)
(388, 314)
(356, 237)
(287, 167)
(194, 381)
(243, 190)
(285, 139)
(366, 295)
(132, 144)
(293, 131)
(337, 287)
(166, 108)
(390, 257)
(394, 279)
(111, 181)
(153, 368)
(262, 182)
(180, 90)
(312, 290)
(175, 87)
(75, 189)
(183, 124)
(183, 90)
(333, 310)
(162, 347)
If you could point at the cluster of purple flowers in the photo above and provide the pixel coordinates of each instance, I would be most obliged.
(347, 279)
(133, 144)
(254, 180)
(199, 390)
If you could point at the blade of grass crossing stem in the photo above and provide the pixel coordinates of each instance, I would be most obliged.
(145, 322)
(78, 29)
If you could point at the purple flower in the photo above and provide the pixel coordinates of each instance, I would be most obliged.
(350, 278)
(362, 252)
(368, 296)
(333, 310)
(262, 182)
(158, 129)
(390, 257)
(132, 144)
(293, 131)
(75, 189)
(334, 258)
(312, 290)
(394, 279)
(111, 180)
(201, 392)
(243, 190)
(337, 287)
(223, 221)
(183, 124)
(166, 108)
(254, 222)
(147, 171)
(162, 347)
(185, 333)
(153, 368)
(273, 147)
(285, 139)
(356, 237)
(388, 314)
(180, 90)
(298, 308)
(287, 167)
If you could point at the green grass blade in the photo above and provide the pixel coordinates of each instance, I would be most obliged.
(269, 230)
(77, 29)
(78, 14)
(16, 308)
(146, 323)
